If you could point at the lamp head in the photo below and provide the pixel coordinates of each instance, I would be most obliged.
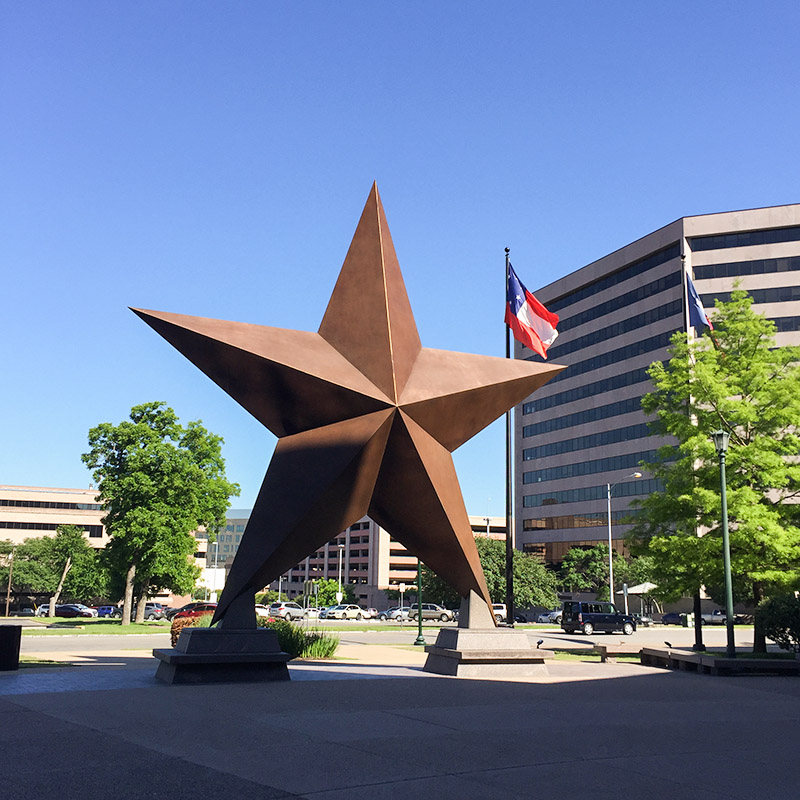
(636, 475)
(720, 439)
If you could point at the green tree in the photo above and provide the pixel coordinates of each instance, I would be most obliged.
(327, 589)
(157, 482)
(741, 383)
(586, 569)
(534, 584)
(64, 563)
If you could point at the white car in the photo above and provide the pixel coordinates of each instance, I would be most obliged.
(499, 611)
(550, 617)
(346, 612)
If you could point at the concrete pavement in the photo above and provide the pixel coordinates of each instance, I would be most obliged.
(375, 726)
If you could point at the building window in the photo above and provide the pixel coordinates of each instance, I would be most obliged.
(591, 467)
(725, 240)
(628, 489)
(630, 271)
(608, 358)
(760, 266)
(586, 442)
(587, 390)
(598, 520)
(579, 418)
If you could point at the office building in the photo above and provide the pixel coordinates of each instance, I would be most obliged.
(585, 429)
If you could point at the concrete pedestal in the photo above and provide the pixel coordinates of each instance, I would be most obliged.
(223, 655)
(485, 653)
(477, 648)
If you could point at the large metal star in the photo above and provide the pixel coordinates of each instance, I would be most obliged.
(365, 416)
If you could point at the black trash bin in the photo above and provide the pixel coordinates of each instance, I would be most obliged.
(10, 636)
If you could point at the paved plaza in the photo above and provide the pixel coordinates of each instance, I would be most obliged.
(372, 725)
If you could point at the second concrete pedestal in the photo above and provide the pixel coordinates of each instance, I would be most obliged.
(479, 649)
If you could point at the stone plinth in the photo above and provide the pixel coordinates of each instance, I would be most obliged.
(485, 653)
(223, 655)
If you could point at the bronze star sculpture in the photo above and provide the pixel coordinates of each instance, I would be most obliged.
(365, 416)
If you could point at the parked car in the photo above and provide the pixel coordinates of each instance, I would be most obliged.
(643, 620)
(551, 617)
(262, 610)
(716, 617)
(372, 613)
(28, 611)
(286, 610)
(198, 610)
(108, 611)
(43, 610)
(595, 616)
(312, 612)
(154, 611)
(72, 610)
(430, 611)
(672, 618)
(520, 617)
(171, 613)
(499, 611)
(399, 614)
(346, 612)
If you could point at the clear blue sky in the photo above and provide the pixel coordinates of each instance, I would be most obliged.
(213, 158)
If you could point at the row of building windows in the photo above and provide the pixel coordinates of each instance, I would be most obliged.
(360, 526)
(613, 356)
(94, 531)
(618, 328)
(759, 266)
(587, 390)
(49, 504)
(623, 301)
(627, 461)
(775, 294)
(627, 489)
(580, 417)
(624, 274)
(586, 442)
(234, 528)
(568, 521)
(745, 239)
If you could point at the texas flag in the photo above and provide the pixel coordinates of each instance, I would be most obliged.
(530, 322)
(697, 314)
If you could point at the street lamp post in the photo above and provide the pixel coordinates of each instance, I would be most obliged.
(420, 640)
(610, 488)
(720, 439)
(340, 595)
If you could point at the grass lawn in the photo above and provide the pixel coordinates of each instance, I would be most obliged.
(106, 627)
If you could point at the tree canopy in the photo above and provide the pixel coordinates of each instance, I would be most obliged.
(739, 382)
(534, 584)
(157, 481)
(41, 562)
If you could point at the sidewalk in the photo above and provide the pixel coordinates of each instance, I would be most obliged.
(376, 727)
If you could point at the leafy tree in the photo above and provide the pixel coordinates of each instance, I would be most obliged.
(55, 564)
(780, 617)
(586, 569)
(157, 482)
(741, 383)
(534, 584)
(327, 589)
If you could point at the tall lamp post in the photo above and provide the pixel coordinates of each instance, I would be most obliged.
(420, 640)
(610, 487)
(720, 439)
(339, 594)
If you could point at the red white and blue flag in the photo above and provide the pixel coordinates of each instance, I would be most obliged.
(697, 314)
(530, 322)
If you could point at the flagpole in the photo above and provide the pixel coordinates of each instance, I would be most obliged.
(509, 488)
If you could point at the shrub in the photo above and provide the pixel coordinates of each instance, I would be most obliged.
(299, 643)
(780, 617)
(177, 626)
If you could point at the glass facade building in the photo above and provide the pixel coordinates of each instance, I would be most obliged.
(585, 429)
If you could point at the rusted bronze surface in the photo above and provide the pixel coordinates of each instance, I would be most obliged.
(366, 419)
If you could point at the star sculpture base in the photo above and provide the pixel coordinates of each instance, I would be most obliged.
(213, 655)
(478, 649)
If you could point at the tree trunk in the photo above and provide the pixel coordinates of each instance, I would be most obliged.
(127, 602)
(54, 598)
(697, 608)
(759, 637)
(141, 601)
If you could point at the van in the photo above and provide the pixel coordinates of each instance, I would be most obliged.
(596, 615)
